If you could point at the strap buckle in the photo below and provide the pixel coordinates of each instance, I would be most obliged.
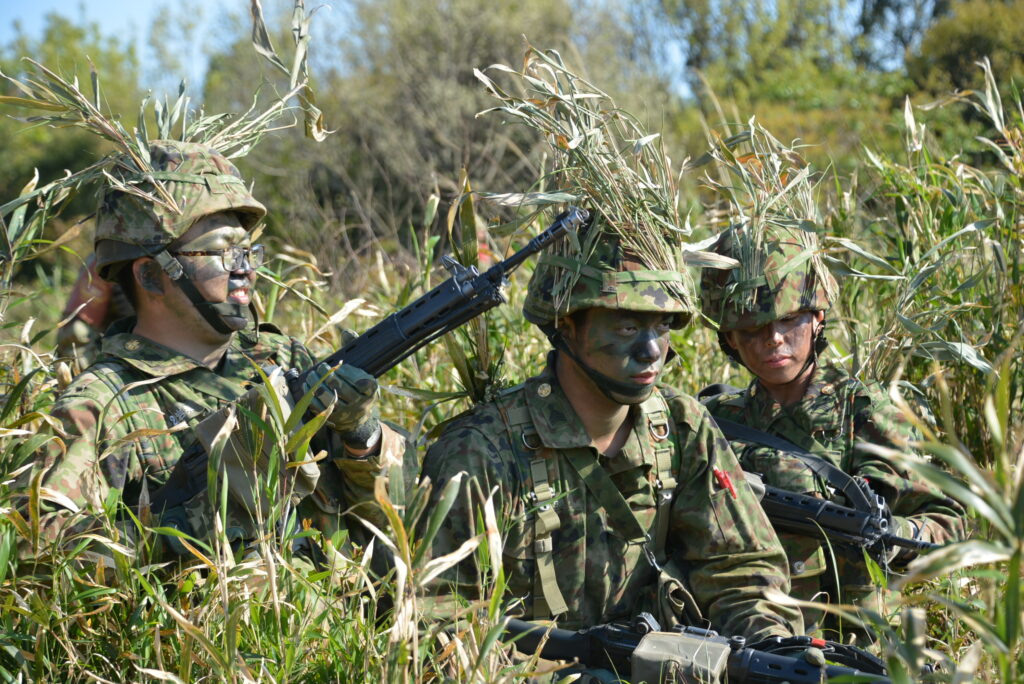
(649, 554)
(659, 430)
(527, 442)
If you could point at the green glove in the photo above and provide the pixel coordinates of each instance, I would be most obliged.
(906, 528)
(353, 393)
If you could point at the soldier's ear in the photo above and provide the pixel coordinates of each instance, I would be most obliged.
(148, 275)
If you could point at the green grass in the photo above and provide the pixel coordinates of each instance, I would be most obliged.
(946, 322)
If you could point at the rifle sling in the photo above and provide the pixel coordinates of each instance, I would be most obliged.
(835, 476)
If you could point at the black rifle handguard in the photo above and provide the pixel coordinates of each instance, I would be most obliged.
(826, 520)
(461, 298)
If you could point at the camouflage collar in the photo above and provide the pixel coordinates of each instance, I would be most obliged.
(820, 407)
(556, 421)
(156, 360)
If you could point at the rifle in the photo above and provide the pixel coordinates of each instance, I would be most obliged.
(462, 297)
(828, 521)
(863, 525)
(640, 652)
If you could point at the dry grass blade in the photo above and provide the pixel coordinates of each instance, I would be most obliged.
(601, 155)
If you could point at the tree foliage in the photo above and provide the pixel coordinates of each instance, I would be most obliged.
(74, 49)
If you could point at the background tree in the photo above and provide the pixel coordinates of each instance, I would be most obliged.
(74, 47)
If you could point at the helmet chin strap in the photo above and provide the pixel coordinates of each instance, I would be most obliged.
(212, 313)
(634, 394)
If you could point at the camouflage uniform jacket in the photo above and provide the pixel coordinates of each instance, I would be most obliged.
(125, 418)
(718, 541)
(836, 413)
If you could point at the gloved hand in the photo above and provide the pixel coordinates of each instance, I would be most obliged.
(354, 395)
(906, 528)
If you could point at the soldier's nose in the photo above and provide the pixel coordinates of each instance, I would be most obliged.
(648, 350)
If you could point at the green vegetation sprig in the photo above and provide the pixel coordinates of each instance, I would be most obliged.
(601, 157)
(765, 184)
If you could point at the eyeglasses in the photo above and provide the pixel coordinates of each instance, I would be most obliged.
(233, 258)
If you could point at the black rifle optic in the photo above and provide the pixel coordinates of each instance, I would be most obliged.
(642, 652)
(462, 297)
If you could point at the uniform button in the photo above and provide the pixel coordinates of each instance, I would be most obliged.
(798, 567)
(543, 390)
(132, 345)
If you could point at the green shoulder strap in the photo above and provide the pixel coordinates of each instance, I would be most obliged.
(547, 597)
(664, 442)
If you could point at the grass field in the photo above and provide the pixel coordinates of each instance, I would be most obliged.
(931, 251)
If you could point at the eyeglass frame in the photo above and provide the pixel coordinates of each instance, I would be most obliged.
(240, 255)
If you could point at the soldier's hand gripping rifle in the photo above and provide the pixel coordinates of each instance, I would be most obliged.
(863, 524)
(641, 652)
(462, 297)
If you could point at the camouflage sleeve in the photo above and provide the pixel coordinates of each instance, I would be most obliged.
(80, 471)
(465, 448)
(724, 541)
(938, 518)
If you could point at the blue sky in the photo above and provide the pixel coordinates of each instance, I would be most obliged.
(124, 17)
(129, 19)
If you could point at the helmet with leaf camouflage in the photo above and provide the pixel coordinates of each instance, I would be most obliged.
(139, 217)
(780, 272)
(606, 275)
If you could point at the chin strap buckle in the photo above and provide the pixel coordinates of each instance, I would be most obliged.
(171, 266)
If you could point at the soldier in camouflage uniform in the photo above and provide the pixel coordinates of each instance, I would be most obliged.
(615, 496)
(770, 317)
(190, 352)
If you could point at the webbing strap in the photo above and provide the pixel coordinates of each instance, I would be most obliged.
(662, 440)
(620, 516)
(547, 597)
(835, 476)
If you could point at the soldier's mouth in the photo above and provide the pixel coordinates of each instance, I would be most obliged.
(238, 291)
(645, 378)
(777, 361)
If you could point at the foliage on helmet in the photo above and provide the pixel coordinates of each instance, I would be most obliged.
(135, 219)
(137, 178)
(780, 272)
(610, 277)
(771, 236)
(600, 157)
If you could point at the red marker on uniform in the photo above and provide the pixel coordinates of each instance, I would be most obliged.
(724, 481)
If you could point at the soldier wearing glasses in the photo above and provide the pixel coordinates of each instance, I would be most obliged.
(189, 271)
